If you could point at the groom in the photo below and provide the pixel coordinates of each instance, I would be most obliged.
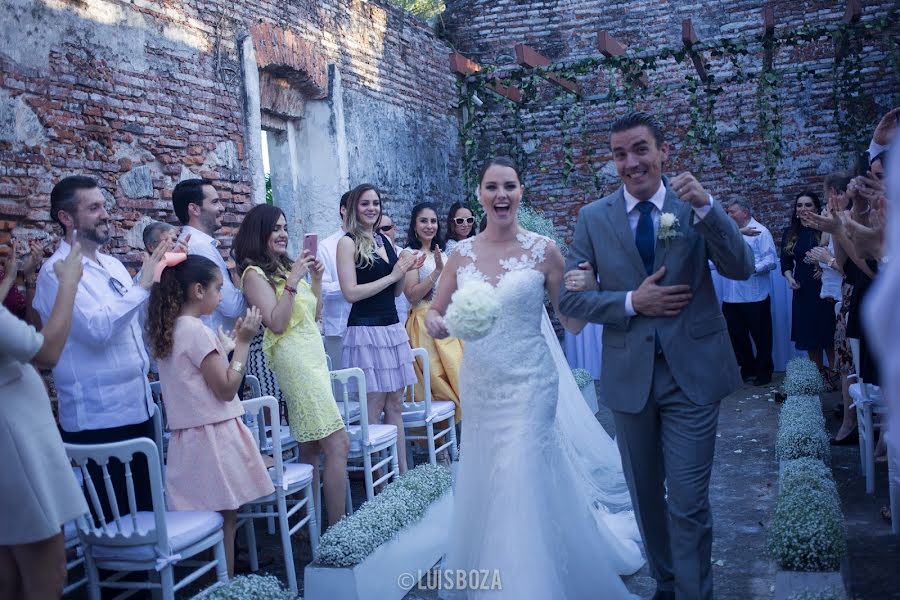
(667, 358)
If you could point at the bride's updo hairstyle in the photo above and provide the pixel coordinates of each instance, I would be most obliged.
(499, 161)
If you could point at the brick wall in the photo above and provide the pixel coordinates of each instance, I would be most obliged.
(487, 30)
(139, 94)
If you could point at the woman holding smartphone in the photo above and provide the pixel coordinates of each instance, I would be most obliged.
(276, 285)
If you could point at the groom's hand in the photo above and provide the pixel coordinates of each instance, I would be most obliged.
(689, 189)
(655, 300)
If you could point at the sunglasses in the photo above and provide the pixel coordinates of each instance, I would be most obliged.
(461, 220)
(384, 228)
(117, 286)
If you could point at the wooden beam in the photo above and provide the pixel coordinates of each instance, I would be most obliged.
(853, 12)
(689, 38)
(609, 47)
(530, 58)
(460, 65)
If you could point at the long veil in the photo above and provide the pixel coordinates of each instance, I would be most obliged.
(592, 452)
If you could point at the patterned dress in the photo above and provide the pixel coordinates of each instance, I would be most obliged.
(297, 357)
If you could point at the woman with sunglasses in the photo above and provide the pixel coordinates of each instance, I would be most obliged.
(460, 225)
(444, 356)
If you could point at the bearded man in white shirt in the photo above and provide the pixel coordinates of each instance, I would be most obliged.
(335, 308)
(198, 207)
(747, 304)
(101, 376)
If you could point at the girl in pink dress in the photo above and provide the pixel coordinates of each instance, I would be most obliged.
(213, 462)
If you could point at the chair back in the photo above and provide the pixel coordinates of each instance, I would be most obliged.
(123, 529)
(254, 411)
(342, 382)
(409, 394)
(253, 382)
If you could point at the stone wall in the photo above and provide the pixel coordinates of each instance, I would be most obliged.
(144, 93)
(486, 31)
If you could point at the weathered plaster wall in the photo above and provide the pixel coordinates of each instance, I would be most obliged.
(487, 30)
(142, 94)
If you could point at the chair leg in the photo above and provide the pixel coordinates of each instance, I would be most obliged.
(285, 528)
(429, 433)
(454, 448)
(250, 535)
(861, 428)
(167, 582)
(348, 503)
(270, 521)
(395, 464)
(870, 453)
(367, 466)
(221, 563)
(93, 576)
(313, 523)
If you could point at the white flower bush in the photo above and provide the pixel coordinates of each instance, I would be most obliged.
(473, 310)
(583, 378)
(801, 430)
(400, 504)
(807, 530)
(247, 587)
(802, 378)
(832, 594)
(534, 220)
(807, 472)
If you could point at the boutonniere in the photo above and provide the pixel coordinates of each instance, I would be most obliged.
(668, 228)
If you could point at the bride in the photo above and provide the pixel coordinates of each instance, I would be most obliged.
(540, 498)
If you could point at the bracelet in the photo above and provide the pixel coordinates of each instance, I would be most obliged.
(291, 290)
(237, 367)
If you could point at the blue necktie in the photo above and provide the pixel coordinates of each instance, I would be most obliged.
(643, 236)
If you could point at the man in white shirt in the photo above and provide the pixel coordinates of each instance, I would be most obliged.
(388, 228)
(335, 309)
(198, 207)
(101, 376)
(747, 304)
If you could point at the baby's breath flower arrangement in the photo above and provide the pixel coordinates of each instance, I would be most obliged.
(802, 378)
(583, 378)
(377, 521)
(807, 530)
(247, 587)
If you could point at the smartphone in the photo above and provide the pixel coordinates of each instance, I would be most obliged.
(862, 164)
(311, 243)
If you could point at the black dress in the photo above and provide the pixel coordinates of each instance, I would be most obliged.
(812, 318)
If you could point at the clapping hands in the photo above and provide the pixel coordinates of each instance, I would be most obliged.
(245, 329)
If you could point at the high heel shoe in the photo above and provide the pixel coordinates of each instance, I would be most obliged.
(850, 439)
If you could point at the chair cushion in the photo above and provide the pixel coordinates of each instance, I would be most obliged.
(378, 434)
(440, 410)
(184, 527)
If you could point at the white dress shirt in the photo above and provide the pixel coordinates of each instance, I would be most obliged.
(765, 258)
(335, 309)
(101, 376)
(634, 215)
(232, 304)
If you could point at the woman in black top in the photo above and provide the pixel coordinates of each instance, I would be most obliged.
(371, 276)
(812, 318)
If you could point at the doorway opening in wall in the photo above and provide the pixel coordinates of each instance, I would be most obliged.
(270, 199)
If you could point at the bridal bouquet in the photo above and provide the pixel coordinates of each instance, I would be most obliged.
(473, 310)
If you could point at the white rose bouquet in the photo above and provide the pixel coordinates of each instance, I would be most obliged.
(473, 310)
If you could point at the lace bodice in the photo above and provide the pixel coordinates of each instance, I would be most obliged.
(517, 280)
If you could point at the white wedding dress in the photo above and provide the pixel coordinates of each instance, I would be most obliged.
(539, 494)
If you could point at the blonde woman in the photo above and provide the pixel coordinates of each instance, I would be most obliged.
(371, 276)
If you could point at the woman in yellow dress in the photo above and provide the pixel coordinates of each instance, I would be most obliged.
(292, 344)
(444, 355)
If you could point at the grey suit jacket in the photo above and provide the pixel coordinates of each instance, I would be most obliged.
(695, 343)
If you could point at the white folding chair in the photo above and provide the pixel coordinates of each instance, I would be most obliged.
(426, 413)
(154, 541)
(870, 409)
(289, 479)
(366, 438)
(161, 434)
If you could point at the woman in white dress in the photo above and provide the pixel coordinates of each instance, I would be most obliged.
(39, 490)
(539, 494)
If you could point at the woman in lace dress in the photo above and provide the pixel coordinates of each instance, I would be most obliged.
(444, 356)
(292, 344)
(553, 525)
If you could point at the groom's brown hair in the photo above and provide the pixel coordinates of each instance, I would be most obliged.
(639, 119)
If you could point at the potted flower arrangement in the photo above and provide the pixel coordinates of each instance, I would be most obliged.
(401, 531)
(585, 382)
